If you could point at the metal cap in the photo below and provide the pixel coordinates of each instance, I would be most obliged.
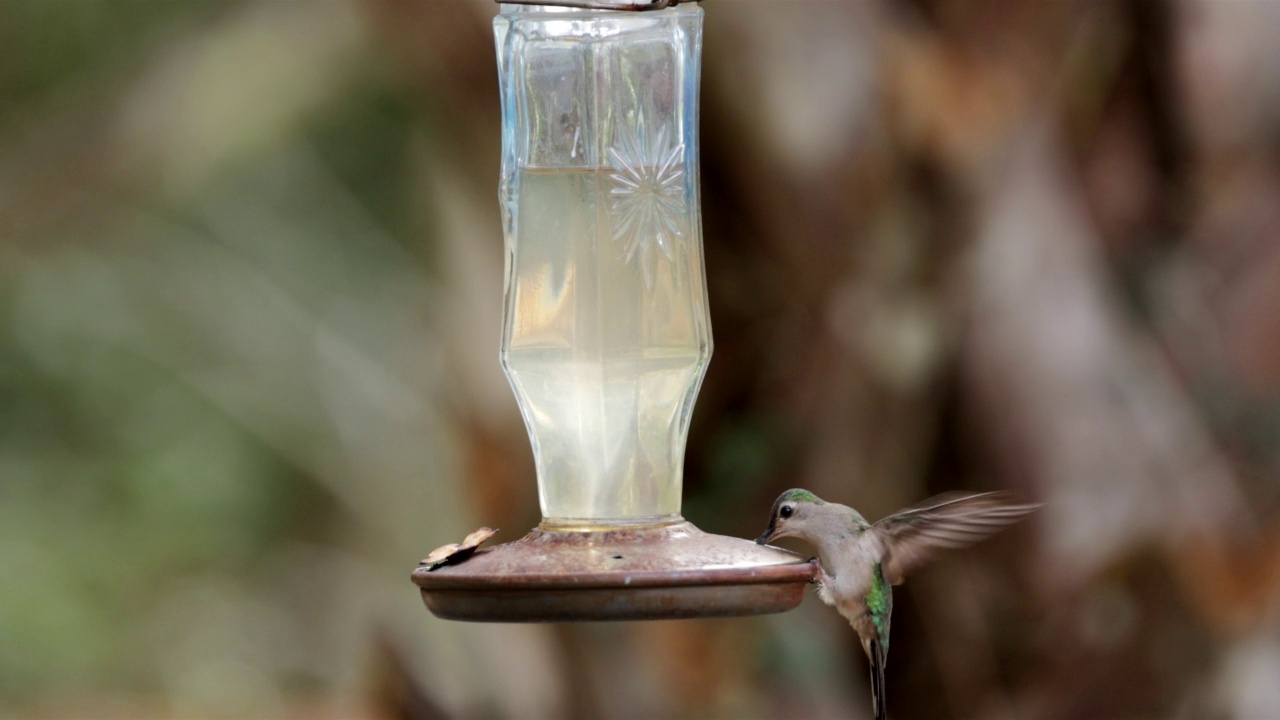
(626, 5)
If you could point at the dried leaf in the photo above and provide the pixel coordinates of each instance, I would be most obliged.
(477, 537)
(454, 553)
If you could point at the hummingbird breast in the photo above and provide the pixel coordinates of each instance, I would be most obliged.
(850, 564)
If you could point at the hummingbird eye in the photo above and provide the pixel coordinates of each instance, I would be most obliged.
(785, 511)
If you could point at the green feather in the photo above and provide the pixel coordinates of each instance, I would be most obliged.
(801, 496)
(879, 602)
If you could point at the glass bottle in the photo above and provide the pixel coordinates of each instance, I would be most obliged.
(606, 334)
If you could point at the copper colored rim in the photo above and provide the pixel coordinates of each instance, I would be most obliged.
(788, 573)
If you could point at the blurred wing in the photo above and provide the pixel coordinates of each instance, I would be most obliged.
(911, 537)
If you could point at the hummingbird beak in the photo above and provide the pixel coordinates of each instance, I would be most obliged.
(767, 535)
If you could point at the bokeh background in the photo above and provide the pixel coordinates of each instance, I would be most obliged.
(250, 277)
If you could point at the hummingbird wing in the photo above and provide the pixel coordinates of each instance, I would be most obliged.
(911, 537)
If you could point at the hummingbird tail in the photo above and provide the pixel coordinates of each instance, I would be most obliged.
(877, 680)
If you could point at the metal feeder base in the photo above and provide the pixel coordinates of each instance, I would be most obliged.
(652, 573)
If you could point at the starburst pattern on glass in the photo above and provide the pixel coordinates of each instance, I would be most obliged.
(648, 194)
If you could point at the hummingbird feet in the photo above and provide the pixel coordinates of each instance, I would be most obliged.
(820, 580)
(820, 577)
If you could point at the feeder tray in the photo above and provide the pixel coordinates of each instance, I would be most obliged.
(650, 573)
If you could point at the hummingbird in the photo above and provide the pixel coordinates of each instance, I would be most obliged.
(860, 562)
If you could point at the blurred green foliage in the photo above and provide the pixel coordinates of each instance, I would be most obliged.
(161, 408)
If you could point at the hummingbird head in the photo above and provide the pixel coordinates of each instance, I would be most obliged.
(789, 515)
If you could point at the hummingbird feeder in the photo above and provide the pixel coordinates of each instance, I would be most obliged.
(606, 333)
